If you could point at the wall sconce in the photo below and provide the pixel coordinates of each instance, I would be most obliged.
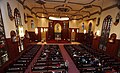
(77, 30)
(85, 31)
(41, 29)
(36, 31)
(98, 33)
(72, 30)
(21, 33)
(46, 29)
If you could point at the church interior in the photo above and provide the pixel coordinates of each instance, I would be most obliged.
(59, 36)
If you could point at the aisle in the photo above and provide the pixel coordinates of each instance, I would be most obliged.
(71, 67)
(28, 70)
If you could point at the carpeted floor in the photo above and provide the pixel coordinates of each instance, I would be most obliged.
(71, 66)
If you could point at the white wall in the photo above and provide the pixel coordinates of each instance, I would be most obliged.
(8, 24)
(43, 22)
(114, 29)
(73, 24)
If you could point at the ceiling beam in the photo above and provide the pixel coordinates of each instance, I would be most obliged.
(66, 1)
(36, 8)
(43, 6)
(87, 12)
(54, 1)
(48, 8)
(98, 7)
(70, 2)
(81, 3)
(24, 1)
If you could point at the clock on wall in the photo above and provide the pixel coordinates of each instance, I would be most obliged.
(9, 11)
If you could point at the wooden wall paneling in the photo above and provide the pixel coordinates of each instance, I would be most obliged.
(26, 42)
(47, 35)
(76, 33)
(6, 65)
(64, 31)
(69, 34)
(13, 50)
(39, 34)
(118, 50)
(32, 36)
(50, 31)
(44, 34)
(70, 30)
(64, 34)
(112, 48)
(81, 37)
(95, 43)
(89, 39)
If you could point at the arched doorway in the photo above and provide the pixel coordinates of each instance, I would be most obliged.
(105, 32)
(89, 28)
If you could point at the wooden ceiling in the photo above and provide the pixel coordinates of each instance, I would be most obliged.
(74, 9)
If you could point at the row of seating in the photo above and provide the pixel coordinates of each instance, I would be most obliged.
(21, 64)
(50, 61)
(89, 61)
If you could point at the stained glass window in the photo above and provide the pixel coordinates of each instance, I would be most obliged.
(105, 32)
(18, 25)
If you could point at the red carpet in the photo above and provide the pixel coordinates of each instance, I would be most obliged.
(60, 41)
(34, 60)
(71, 66)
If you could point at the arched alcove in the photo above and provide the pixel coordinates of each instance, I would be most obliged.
(90, 27)
(57, 28)
(57, 31)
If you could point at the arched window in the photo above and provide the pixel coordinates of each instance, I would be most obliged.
(17, 19)
(105, 32)
(32, 24)
(19, 27)
(90, 27)
(82, 26)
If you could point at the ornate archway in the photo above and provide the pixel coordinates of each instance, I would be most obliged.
(57, 31)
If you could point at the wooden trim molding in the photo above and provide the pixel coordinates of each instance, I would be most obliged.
(90, 14)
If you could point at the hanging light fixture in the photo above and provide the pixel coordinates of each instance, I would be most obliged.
(58, 18)
(41, 29)
(72, 30)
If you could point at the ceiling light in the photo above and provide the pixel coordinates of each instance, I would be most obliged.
(58, 18)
